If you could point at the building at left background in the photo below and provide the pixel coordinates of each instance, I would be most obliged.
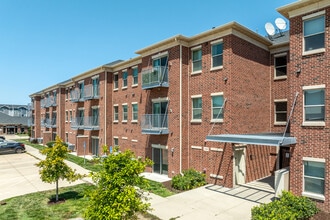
(14, 118)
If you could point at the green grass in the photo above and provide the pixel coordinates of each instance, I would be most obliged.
(35, 205)
(87, 164)
(158, 189)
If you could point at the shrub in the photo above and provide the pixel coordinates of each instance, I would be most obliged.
(33, 140)
(189, 180)
(288, 206)
(51, 144)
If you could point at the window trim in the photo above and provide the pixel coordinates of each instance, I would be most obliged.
(123, 80)
(220, 120)
(312, 123)
(276, 56)
(310, 194)
(220, 41)
(135, 120)
(115, 88)
(114, 113)
(275, 112)
(123, 116)
(135, 84)
(309, 17)
(192, 61)
(192, 109)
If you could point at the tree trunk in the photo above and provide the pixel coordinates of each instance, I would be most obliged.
(56, 190)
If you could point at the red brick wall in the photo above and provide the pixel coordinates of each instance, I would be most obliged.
(312, 141)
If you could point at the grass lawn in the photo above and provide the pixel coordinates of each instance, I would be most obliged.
(35, 205)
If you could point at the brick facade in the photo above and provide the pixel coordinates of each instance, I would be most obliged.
(248, 83)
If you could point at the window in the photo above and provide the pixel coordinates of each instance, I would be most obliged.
(135, 76)
(280, 112)
(124, 112)
(80, 117)
(66, 137)
(66, 94)
(314, 33)
(66, 116)
(95, 116)
(125, 79)
(314, 173)
(70, 116)
(197, 108)
(197, 60)
(217, 51)
(115, 141)
(217, 107)
(115, 81)
(81, 90)
(134, 112)
(314, 104)
(96, 90)
(115, 113)
(280, 64)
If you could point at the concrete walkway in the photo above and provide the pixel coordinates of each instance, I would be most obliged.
(20, 176)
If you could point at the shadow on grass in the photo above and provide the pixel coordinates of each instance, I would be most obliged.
(67, 195)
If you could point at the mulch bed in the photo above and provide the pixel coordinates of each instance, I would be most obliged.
(321, 216)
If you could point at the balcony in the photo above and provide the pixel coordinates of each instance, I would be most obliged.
(155, 77)
(156, 124)
(89, 92)
(47, 102)
(85, 123)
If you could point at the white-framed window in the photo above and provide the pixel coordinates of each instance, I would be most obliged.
(115, 113)
(125, 112)
(217, 107)
(217, 54)
(81, 86)
(197, 59)
(196, 108)
(115, 81)
(314, 105)
(314, 31)
(95, 115)
(314, 177)
(135, 112)
(70, 112)
(135, 75)
(96, 86)
(125, 75)
(66, 93)
(280, 65)
(280, 111)
(115, 141)
(66, 116)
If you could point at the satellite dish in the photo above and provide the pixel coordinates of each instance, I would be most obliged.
(280, 23)
(270, 29)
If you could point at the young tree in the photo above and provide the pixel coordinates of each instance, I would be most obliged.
(116, 195)
(53, 167)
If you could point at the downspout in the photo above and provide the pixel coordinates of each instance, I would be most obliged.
(180, 108)
(105, 106)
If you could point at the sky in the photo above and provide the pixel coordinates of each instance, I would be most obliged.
(45, 42)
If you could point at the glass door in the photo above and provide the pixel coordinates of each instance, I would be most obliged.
(160, 159)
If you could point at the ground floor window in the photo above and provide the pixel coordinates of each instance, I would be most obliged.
(95, 146)
(160, 159)
(314, 173)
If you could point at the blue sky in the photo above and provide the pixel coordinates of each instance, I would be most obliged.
(44, 42)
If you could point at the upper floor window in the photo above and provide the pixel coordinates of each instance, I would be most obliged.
(125, 78)
(280, 63)
(135, 76)
(217, 54)
(125, 111)
(134, 111)
(314, 108)
(96, 87)
(81, 89)
(217, 107)
(197, 108)
(115, 81)
(314, 29)
(280, 111)
(115, 113)
(197, 60)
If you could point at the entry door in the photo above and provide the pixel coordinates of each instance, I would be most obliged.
(160, 159)
(285, 157)
(239, 166)
(95, 146)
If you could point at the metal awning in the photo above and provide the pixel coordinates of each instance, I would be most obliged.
(268, 139)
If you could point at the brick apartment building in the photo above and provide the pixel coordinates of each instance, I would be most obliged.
(228, 102)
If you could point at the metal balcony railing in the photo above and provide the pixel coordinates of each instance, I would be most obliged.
(85, 123)
(89, 92)
(154, 124)
(155, 77)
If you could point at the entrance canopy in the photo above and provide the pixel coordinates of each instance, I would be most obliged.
(268, 139)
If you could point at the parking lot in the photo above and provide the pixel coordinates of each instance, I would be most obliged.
(19, 176)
